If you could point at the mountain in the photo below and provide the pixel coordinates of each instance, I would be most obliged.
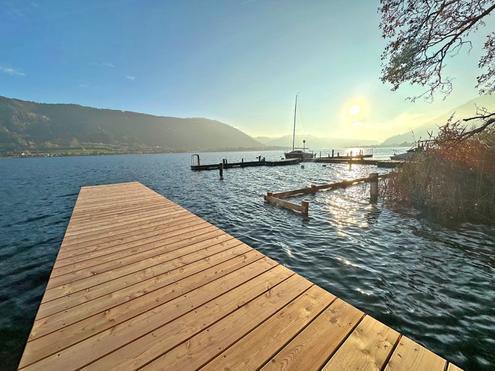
(314, 142)
(422, 131)
(70, 128)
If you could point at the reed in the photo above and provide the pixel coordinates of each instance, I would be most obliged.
(453, 181)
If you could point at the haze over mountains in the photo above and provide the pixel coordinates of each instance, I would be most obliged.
(423, 130)
(314, 142)
(69, 128)
(74, 129)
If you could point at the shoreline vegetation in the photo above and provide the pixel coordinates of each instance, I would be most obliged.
(105, 150)
(453, 180)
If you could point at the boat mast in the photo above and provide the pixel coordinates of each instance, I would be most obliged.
(294, 129)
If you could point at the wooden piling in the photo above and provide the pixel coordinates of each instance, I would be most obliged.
(305, 208)
(373, 187)
(220, 169)
(302, 209)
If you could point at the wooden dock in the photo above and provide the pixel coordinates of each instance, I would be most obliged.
(140, 282)
(242, 164)
(359, 161)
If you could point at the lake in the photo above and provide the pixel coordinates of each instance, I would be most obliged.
(431, 283)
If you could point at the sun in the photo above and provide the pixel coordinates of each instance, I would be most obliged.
(355, 110)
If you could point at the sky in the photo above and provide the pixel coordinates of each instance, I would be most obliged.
(241, 62)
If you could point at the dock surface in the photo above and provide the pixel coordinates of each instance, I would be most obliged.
(242, 164)
(140, 282)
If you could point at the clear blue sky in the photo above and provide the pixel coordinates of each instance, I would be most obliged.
(237, 61)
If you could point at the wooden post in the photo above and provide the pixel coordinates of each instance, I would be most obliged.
(221, 170)
(374, 187)
(305, 208)
(332, 152)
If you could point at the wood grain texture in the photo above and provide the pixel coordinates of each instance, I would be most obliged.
(367, 348)
(409, 355)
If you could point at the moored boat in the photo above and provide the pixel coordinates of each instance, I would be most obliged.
(299, 153)
(420, 147)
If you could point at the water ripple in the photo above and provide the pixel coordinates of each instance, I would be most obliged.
(431, 283)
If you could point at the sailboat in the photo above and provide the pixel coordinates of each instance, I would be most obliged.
(299, 153)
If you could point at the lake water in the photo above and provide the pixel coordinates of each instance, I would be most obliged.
(433, 284)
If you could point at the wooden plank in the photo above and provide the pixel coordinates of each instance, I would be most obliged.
(172, 251)
(175, 260)
(105, 222)
(135, 311)
(199, 349)
(154, 233)
(98, 232)
(409, 355)
(165, 338)
(319, 187)
(138, 332)
(247, 354)
(195, 232)
(367, 348)
(311, 349)
(174, 284)
(113, 210)
(135, 282)
(284, 204)
(184, 239)
(116, 233)
(453, 367)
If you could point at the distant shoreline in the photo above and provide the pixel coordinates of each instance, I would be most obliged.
(109, 152)
(78, 152)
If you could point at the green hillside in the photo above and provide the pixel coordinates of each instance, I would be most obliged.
(70, 129)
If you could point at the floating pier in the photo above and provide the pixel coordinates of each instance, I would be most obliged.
(359, 161)
(140, 282)
(230, 165)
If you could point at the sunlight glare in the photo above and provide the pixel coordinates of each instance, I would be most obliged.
(355, 109)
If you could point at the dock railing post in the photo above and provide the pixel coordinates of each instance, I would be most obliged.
(374, 187)
(220, 169)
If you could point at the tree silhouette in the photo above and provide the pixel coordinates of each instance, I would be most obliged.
(422, 33)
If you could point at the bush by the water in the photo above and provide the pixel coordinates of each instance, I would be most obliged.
(451, 181)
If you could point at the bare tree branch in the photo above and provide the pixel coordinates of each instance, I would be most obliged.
(422, 33)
